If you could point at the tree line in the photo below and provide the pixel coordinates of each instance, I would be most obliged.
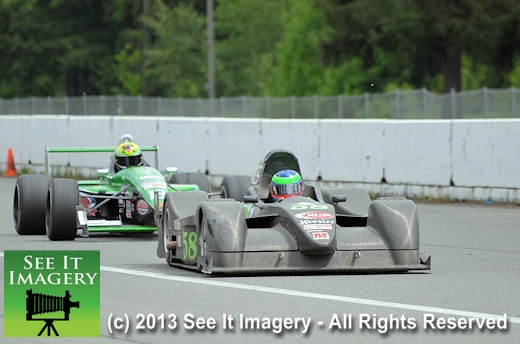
(261, 48)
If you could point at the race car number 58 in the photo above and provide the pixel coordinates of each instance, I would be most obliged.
(189, 242)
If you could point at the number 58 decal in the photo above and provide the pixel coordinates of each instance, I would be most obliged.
(306, 205)
(189, 245)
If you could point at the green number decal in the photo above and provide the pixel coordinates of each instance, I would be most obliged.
(298, 206)
(319, 206)
(189, 240)
(304, 206)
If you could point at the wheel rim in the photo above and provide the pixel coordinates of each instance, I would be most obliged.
(202, 237)
(48, 207)
(166, 238)
(16, 208)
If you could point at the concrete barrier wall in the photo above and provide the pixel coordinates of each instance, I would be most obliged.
(457, 159)
(486, 153)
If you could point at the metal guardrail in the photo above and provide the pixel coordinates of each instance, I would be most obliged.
(399, 104)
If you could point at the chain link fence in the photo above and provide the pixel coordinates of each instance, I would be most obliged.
(409, 104)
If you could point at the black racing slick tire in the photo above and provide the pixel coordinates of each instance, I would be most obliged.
(30, 197)
(60, 213)
(167, 228)
(197, 178)
(235, 187)
(202, 259)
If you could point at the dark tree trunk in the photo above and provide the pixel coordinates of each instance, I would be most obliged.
(451, 70)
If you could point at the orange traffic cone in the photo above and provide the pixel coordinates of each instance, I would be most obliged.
(10, 170)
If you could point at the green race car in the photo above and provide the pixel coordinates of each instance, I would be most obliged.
(120, 201)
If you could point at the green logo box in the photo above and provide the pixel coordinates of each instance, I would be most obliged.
(51, 293)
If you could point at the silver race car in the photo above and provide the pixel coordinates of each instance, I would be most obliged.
(246, 228)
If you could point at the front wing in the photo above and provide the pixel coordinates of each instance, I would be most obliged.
(294, 261)
(274, 250)
(106, 226)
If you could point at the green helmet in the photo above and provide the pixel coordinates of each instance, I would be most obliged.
(127, 154)
(285, 184)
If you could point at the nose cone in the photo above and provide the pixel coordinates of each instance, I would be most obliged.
(318, 230)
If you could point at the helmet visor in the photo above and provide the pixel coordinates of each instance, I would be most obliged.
(286, 190)
(125, 161)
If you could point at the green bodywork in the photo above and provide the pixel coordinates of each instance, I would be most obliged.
(143, 180)
(146, 181)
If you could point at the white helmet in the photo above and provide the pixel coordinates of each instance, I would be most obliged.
(126, 138)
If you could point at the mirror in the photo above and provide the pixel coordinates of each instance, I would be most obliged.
(250, 199)
(339, 198)
(102, 172)
(171, 170)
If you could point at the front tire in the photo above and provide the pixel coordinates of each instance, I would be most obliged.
(30, 197)
(202, 260)
(60, 214)
(167, 227)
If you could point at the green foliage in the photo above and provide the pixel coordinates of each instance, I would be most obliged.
(298, 70)
(24, 72)
(347, 78)
(61, 47)
(514, 76)
(269, 47)
(247, 32)
(129, 72)
(474, 75)
(177, 61)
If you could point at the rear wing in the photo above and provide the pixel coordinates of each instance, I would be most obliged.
(50, 150)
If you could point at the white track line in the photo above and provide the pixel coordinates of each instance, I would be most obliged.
(347, 299)
(288, 292)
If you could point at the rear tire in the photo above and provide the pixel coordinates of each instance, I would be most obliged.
(60, 214)
(235, 187)
(30, 197)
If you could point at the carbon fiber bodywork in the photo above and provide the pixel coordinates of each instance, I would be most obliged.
(322, 230)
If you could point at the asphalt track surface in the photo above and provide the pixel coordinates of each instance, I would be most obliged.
(475, 273)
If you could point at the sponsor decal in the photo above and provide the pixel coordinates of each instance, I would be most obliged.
(142, 207)
(88, 203)
(320, 235)
(314, 215)
(150, 182)
(313, 221)
(129, 208)
(318, 226)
